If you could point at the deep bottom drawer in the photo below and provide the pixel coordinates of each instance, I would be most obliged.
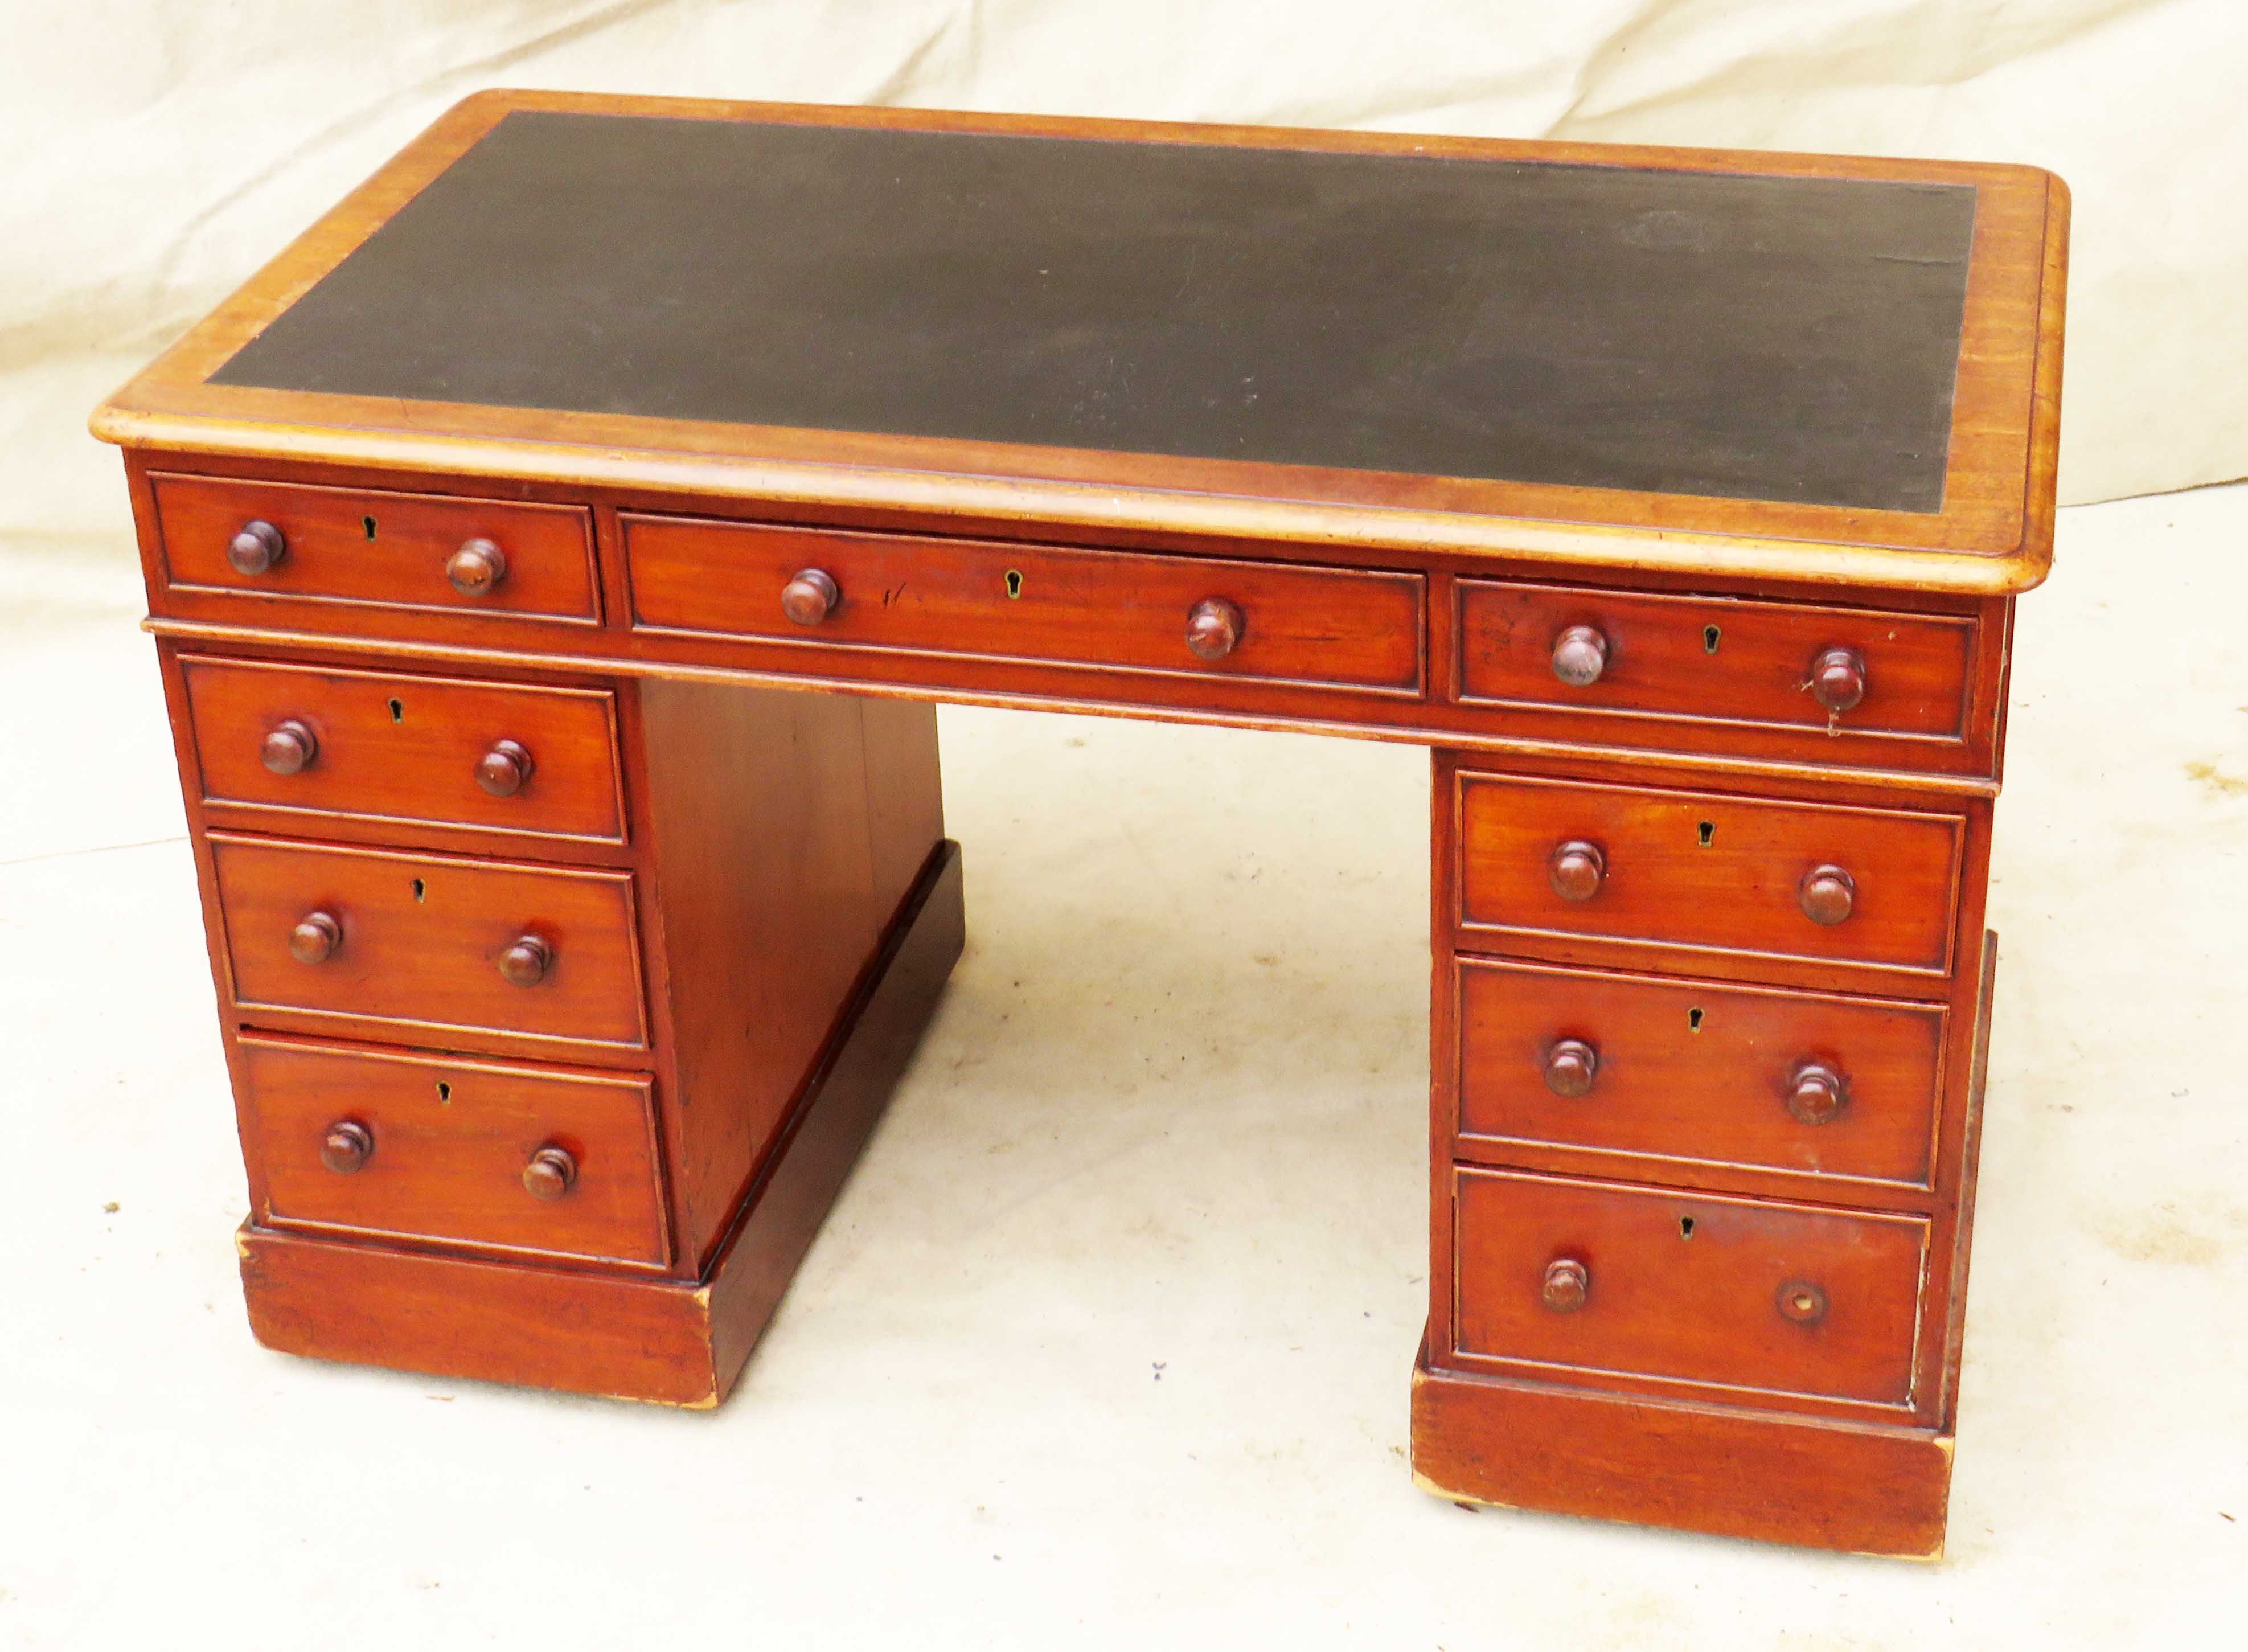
(426, 1146)
(1596, 1277)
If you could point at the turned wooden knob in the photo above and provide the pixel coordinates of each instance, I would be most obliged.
(476, 568)
(1576, 869)
(1214, 627)
(1570, 1067)
(258, 549)
(503, 770)
(1580, 654)
(1827, 895)
(315, 938)
(290, 747)
(809, 597)
(1802, 1301)
(347, 1145)
(1816, 1093)
(1567, 1284)
(550, 1173)
(1837, 678)
(526, 962)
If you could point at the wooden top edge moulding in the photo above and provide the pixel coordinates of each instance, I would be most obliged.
(1795, 368)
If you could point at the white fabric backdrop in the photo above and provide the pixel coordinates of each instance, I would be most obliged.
(152, 154)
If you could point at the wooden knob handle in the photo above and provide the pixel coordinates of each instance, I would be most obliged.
(315, 938)
(552, 1173)
(1214, 627)
(258, 549)
(526, 962)
(290, 746)
(1576, 869)
(1570, 1067)
(503, 770)
(809, 597)
(1837, 678)
(1816, 1092)
(1827, 895)
(476, 568)
(1802, 1301)
(347, 1145)
(1580, 654)
(1566, 1286)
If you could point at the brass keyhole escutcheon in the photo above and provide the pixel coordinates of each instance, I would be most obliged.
(1014, 584)
(1709, 637)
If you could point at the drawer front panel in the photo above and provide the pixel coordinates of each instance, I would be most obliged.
(448, 1140)
(1709, 658)
(420, 939)
(1329, 627)
(1785, 1299)
(1695, 1071)
(346, 544)
(407, 748)
(1708, 871)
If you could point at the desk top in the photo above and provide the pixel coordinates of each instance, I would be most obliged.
(1805, 366)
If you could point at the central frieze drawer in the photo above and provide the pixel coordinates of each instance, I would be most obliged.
(458, 947)
(1115, 610)
(1594, 1276)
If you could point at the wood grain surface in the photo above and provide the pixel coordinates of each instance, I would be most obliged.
(452, 1136)
(423, 935)
(399, 746)
(1695, 1074)
(377, 547)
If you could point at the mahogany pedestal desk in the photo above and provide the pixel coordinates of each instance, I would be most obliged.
(566, 949)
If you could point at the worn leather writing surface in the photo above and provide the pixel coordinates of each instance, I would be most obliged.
(1791, 339)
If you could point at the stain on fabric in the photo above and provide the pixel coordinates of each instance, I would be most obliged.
(2211, 778)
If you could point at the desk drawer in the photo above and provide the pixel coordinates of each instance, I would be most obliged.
(424, 1146)
(1329, 627)
(1709, 872)
(1572, 1276)
(509, 758)
(474, 948)
(435, 552)
(1698, 1071)
(1711, 659)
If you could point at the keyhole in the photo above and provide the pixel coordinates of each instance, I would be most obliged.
(421, 890)
(1694, 1020)
(1685, 1227)
(398, 710)
(1014, 584)
(366, 526)
(1707, 830)
(1710, 635)
(444, 1092)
